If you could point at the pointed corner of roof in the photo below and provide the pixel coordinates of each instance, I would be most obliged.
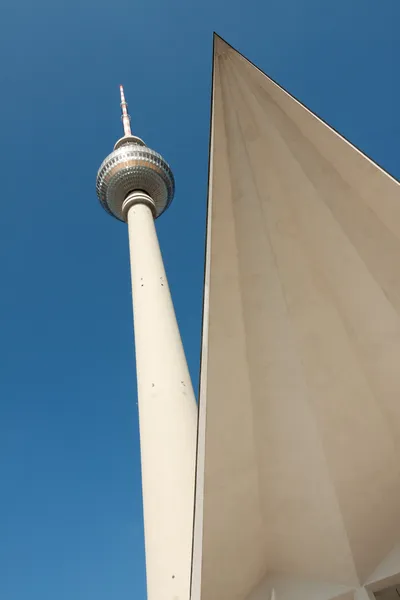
(221, 46)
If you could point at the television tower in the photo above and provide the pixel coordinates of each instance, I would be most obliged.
(136, 185)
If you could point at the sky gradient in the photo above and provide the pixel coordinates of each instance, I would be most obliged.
(71, 514)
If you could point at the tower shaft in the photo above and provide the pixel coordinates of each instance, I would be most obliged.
(167, 416)
(135, 184)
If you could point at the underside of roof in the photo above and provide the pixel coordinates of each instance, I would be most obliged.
(298, 470)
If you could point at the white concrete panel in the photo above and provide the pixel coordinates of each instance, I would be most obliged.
(297, 589)
(389, 567)
(301, 445)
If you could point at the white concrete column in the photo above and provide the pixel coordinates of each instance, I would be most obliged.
(167, 417)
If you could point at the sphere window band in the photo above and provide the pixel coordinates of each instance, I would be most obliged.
(134, 167)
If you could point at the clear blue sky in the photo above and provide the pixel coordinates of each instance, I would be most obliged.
(70, 501)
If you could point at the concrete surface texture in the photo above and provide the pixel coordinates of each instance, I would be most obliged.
(167, 416)
(298, 471)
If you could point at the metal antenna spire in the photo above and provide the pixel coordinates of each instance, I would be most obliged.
(126, 120)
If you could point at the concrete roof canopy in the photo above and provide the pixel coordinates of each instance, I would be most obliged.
(298, 476)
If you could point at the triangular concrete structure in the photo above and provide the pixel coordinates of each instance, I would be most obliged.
(299, 436)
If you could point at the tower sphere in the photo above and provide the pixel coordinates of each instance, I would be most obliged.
(132, 166)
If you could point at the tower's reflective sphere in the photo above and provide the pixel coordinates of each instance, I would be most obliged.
(132, 166)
